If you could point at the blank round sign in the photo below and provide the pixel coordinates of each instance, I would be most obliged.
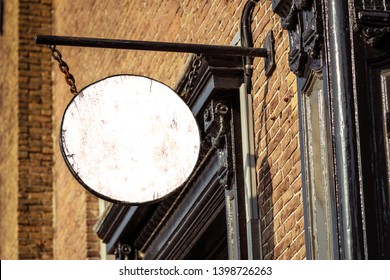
(129, 139)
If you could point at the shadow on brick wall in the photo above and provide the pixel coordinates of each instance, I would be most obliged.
(265, 187)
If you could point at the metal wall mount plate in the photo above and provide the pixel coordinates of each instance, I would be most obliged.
(129, 139)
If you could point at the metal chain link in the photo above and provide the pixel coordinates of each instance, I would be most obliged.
(64, 69)
(196, 63)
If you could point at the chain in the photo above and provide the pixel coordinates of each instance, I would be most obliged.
(64, 69)
(196, 63)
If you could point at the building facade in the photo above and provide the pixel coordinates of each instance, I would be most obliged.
(294, 157)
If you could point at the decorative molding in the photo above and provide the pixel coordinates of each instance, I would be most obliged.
(124, 252)
(373, 25)
(217, 126)
(303, 20)
(314, 75)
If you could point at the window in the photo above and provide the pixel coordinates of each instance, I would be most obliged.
(320, 197)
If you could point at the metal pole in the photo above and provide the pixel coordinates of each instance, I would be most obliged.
(151, 46)
(346, 158)
(249, 165)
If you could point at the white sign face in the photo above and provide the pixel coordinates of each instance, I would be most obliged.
(129, 139)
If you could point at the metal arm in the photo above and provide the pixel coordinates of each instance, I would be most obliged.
(152, 46)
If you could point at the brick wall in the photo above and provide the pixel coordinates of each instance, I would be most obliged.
(8, 133)
(277, 145)
(28, 191)
(35, 205)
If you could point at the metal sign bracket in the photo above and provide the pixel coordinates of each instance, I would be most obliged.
(266, 52)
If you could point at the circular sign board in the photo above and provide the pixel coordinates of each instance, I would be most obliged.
(129, 139)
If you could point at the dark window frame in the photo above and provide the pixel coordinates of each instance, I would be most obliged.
(317, 175)
(385, 85)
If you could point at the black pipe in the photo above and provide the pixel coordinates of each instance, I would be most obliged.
(352, 235)
(151, 46)
(247, 41)
(253, 227)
